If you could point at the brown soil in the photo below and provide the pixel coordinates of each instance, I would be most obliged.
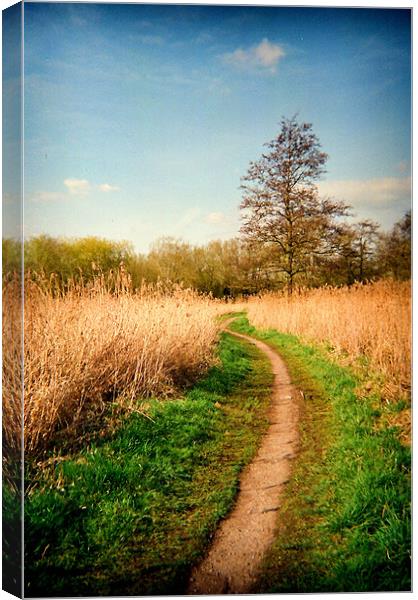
(233, 563)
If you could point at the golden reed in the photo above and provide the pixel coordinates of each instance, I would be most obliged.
(372, 321)
(95, 343)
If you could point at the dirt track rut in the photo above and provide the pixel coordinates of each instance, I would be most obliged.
(233, 562)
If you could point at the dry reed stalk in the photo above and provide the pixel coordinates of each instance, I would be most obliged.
(90, 345)
(12, 352)
(371, 320)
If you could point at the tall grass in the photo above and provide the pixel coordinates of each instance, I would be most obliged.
(12, 354)
(93, 344)
(372, 322)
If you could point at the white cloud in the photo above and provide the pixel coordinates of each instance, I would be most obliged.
(215, 218)
(369, 192)
(106, 187)
(77, 187)
(265, 56)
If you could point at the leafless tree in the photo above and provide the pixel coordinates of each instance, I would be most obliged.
(395, 249)
(365, 239)
(281, 205)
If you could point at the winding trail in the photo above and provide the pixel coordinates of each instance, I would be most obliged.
(233, 562)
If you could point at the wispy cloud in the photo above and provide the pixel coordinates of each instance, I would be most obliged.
(150, 40)
(263, 57)
(379, 192)
(106, 187)
(77, 187)
(204, 37)
(187, 218)
(143, 24)
(215, 218)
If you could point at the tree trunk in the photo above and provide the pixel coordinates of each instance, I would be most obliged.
(290, 284)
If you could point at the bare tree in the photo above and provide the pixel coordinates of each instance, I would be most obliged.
(354, 256)
(365, 239)
(394, 249)
(280, 202)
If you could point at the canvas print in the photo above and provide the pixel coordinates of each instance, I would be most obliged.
(206, 299)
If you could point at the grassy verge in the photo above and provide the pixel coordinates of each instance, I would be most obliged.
(345, 522)
(11, 526)
(131, 513)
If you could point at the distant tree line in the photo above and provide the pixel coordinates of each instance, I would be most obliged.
(290, 237)
(235, 267)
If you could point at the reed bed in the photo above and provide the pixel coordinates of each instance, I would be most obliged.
(370, 321)
(12, 355)
(96, 343)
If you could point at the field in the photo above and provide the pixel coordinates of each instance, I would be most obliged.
(97, 345)
(369, 324)
(140, 414)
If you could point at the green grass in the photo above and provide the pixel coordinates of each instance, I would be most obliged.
(130, 514)
(344, 525)
(11, 525)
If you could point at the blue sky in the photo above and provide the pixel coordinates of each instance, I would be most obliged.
(141, 120)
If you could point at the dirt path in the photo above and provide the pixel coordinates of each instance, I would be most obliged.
(233, 563)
